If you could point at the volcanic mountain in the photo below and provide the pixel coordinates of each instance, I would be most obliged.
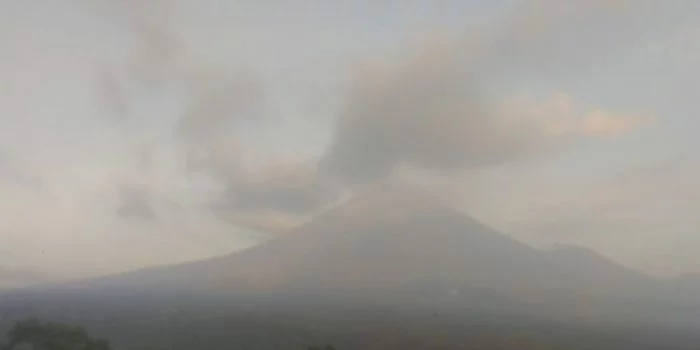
(14, 278)
(390, 263)
(391, 241)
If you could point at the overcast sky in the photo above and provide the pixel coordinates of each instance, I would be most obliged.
(147, 132)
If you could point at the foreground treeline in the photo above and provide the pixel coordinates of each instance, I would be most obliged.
(212, 333)
(39, 335)
(34, 334)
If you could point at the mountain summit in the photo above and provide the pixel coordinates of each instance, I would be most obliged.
(384, 242)
(387, 199)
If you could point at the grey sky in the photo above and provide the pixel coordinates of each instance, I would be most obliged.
(143, 132)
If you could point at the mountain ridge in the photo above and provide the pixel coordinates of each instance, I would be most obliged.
(360, 248)
(17, 278)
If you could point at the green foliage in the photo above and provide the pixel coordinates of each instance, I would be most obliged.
(52, 336)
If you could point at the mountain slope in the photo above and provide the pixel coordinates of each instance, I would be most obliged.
(385, 241)
(16, 278)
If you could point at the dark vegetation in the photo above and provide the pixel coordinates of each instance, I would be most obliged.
(179, 324)
(39, 335)
(435, 280)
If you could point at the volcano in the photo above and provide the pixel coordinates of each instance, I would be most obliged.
(389, 258)
(391, 241)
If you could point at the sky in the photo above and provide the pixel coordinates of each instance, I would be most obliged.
(136, 133)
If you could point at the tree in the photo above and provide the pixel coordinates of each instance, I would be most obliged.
(51, 336)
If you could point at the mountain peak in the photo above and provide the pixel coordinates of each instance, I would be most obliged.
(391, 199)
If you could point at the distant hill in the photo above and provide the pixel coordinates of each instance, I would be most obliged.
(383, 243)
(17, 278)
(393, 267)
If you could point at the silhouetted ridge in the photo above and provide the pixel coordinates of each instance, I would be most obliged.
(384, 242)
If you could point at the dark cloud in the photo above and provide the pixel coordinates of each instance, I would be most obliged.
(138, 209)
(157, 43)
(439, 107)
(288, 189)
(135, 203)
(138, 201)
(295, 198)
(216, 101)
(275, 199)
(429, 113)
(217, 109)
(150, 61)
(442, 107)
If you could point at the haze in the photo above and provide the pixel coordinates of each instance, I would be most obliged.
(136, 133)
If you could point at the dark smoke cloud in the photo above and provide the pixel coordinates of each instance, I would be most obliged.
(441, 107)
(138, 201)
(276, 197)
(430, 114)
(208, 128)
(284, 188)
(157, 43)
(216, 99)
(217, 103)
(135, 204)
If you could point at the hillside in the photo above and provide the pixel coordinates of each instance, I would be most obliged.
(385, 242)
(390, 268)
(16, 278)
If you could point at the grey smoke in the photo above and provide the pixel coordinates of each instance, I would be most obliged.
(291, 189)
(135, 203)
(442, 106)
